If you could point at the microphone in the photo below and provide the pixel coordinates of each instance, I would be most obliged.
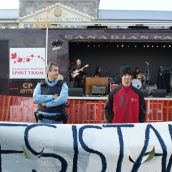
(147, 63)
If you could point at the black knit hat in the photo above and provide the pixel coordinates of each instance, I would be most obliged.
(126, 69)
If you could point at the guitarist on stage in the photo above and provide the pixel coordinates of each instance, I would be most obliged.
(78, 73)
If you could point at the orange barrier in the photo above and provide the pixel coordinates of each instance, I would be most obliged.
(6, 102)
(86, 111)
(159, 110)
(21, 109)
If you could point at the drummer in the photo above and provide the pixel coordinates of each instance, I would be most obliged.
(137, 78)
(137, 74)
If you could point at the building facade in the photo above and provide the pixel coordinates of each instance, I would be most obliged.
(87, 7)
(55, 16)
(79, 14)
(51, 14)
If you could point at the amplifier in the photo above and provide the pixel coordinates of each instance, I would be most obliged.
(98, 89)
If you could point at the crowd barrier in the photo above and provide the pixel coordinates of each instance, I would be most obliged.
(21, 109)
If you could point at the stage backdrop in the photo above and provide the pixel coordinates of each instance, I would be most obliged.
(85, 148)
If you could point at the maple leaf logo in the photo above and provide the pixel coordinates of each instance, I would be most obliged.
(28, 59)
(13, 55)
(19, 59)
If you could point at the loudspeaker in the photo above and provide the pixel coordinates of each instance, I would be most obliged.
(158, 92)
(98, 89)
(75, 92)
(145, 92)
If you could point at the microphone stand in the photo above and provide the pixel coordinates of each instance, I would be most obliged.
(148, 77)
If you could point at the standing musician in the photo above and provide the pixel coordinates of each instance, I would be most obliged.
(98, 72)
(78, 73)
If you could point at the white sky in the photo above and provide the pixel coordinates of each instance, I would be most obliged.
(9, 4)
(164, 5)
(157, 5)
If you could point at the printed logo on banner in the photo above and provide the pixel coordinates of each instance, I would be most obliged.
(27, 63)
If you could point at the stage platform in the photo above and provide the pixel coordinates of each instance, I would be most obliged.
(106, 97)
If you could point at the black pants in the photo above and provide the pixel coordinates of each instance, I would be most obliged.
(77, 83)
(58, 118)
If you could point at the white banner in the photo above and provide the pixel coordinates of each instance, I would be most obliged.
(86, 148)
(27, 63)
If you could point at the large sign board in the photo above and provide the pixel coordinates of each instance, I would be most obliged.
(22, 87)
(86, 148)
(27, 63)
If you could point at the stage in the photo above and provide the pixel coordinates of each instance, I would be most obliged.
(107, 48)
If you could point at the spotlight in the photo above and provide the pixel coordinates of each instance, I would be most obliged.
(57, 44)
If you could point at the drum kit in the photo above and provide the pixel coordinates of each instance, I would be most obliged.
(139, 81)
(136, 83)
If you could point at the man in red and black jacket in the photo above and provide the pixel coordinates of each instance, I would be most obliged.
(126, 103)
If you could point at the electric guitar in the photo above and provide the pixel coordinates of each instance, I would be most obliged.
(76, 72)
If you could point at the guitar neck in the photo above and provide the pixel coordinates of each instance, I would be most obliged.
(82, 68)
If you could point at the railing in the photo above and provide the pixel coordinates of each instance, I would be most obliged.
(21, 109)
(159, 110)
